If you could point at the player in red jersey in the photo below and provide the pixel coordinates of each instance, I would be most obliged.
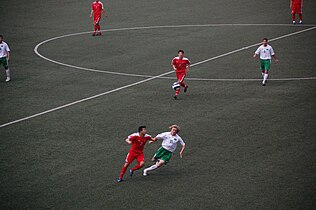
(181, 65)
(296, 7)
(137, 142)
(97, 9)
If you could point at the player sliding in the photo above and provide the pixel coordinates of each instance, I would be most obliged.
(97, 8)
(181, 65)
(265, 52)
(137, 142)
(169, 145)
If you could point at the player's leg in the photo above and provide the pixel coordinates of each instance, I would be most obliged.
(262, 67)
(163, 156)
(154, 167)
(129, 159)
(141, 162)
(5, 63)
(266, 71)
(293, 18)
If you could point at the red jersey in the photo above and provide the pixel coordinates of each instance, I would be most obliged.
(296, 2)
(180, 64)
(97, 7)
(138, 142)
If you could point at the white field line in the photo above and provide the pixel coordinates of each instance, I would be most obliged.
(154, 27)
(142, 81)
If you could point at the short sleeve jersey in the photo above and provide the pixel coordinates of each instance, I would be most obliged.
(4, 49)
(265, 52)
(180, 64)
(97, 7)
(138, 142)
(169, 142)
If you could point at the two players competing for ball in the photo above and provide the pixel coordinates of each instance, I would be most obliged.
(162, 156)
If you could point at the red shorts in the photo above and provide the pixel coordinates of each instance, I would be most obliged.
(296, 9)
(180, 76)
(97, 18)
(132, 156)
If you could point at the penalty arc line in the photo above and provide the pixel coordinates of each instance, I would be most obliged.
(143, 81)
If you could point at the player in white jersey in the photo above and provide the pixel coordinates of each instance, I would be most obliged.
(5, 57)
(265, 53)
(169, 145)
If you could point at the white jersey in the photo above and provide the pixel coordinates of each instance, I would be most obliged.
(169, 142)
(265, 52)
(4, 49)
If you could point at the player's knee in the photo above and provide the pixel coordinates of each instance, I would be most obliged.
(142, 163)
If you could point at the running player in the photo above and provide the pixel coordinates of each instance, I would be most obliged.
(169, 145)
(137, 142)
(181, 65)
(5, 57)
(296, 8)
(97, 9)
(265, 52)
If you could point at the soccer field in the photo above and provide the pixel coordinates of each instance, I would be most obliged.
(74, 99)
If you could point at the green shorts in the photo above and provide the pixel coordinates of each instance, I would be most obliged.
(163, 154)
(4, 62)
(265, 64)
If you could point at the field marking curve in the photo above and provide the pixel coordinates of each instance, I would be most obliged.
(139, 82)
(167, 26)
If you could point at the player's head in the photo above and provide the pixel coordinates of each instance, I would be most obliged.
(174, 129)
(265, 41)
(180, 53)
(142, 129)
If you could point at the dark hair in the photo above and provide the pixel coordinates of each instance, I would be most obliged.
(1, 36)
(266, 39)
(140, 128)
(181, 51)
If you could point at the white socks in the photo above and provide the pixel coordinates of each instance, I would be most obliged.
(265, 77)
(8, 72)
(153, 167)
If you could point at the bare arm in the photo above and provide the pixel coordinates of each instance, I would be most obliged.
(275, 58)
(153, 140)
(188, 68)
(91, 13)
(8, 57)
(182, 149)
(106, 15)
(290, 3)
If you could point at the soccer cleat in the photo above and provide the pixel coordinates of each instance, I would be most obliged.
(93, 34)
(293, 21)
(185, 88)
(145, 173)
(175, 97)
(8, 79)
(263, 84)
(119, 180)
(99, 34)
(300, 22)
(131, 172)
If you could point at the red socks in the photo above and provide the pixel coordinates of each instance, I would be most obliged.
(138, 166)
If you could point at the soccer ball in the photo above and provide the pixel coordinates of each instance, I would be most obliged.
(175, 85)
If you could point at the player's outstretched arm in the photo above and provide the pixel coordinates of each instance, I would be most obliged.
(182, 149)
(153, 140)
(91, 13)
